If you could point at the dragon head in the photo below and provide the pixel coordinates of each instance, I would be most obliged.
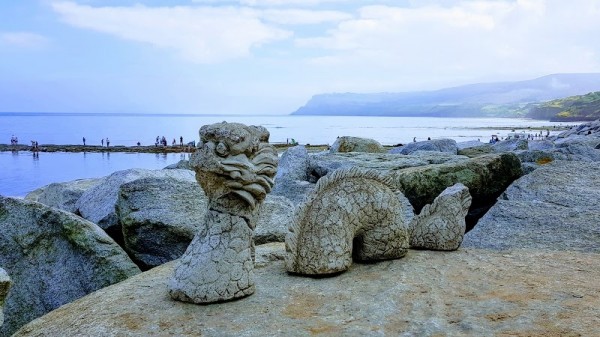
(235, 162)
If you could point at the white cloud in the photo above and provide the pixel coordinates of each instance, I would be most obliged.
(201, 34)
(464, 39)
(272, 3)
(23, 40)
(302, 17)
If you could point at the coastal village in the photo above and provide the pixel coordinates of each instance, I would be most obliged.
(431, 238)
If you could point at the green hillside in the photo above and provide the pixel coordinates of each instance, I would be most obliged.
(582, 107)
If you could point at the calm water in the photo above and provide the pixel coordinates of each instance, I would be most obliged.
(21, 173)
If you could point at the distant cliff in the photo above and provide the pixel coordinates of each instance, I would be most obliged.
(582, 107)
(504, 99)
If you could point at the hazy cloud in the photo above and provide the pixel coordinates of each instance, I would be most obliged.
(466, 39)
(23, 40)
(272, 3)
(302, 16)
(201, 34)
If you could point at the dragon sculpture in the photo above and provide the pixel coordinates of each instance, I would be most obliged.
(350, 213)
(358, 214)
(235, 165)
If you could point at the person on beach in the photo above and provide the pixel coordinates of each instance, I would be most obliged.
(83, 141)
(414, 139)
(174, 142)
(107, 142)
(181, 140)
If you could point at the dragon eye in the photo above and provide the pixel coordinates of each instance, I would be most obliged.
(222, 150)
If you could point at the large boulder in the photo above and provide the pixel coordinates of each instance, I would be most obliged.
(53, 257)
(486, 177)
(159, 216)
(511, 145)
(579, 151)
(436, 145)
(555, 207)
(63, 195)
(584, 129)
(468, 144)
(469, 292)
(97, 204)
(291, 180)
(321, 164)
(274, 218)
(356, 144)
(4, 287)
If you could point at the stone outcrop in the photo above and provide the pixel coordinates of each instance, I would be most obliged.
(436, 145)
(555, 207)
(486, 176)
(274, 218)
(470, 292)
(321, 164)
(441, 224)
(160, 216)
(97, 204)
(469, 144)
(235, 165)
(291, 180)
(53, 258)
(63, 195)
(356, 144)
(511, 145)
(350, 213)
(4, 287)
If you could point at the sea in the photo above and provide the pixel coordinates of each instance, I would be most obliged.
(21, 172)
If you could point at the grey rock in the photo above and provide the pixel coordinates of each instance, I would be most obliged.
(97, 204)
(578, 151)
(160, 216)
(468, 292)
(63, 195)
(5, 284)
(469, 144)
(53, 257)
(183, 164)
(510, 145)
(441, 224)
(540, 145)
(291, 180)
(584, 129)
(486, 176)
(321, 165)
(356, 144)
(555, 207)
(274, 218)
(476, 151)
(293, 165)
(437, 145)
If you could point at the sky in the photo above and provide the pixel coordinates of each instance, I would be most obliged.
(272, 56)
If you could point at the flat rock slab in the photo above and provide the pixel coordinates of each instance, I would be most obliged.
(470, 292)
(556, 207)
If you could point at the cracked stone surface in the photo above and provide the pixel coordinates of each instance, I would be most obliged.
(235, 166)
(441, 224)
(350, 213)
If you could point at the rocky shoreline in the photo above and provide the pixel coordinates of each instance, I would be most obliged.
(527, 265)
(121, 148)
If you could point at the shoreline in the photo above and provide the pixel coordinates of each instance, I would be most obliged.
(121, 148)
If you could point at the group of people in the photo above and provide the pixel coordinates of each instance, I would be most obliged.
(163, 141)
(102, 142)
